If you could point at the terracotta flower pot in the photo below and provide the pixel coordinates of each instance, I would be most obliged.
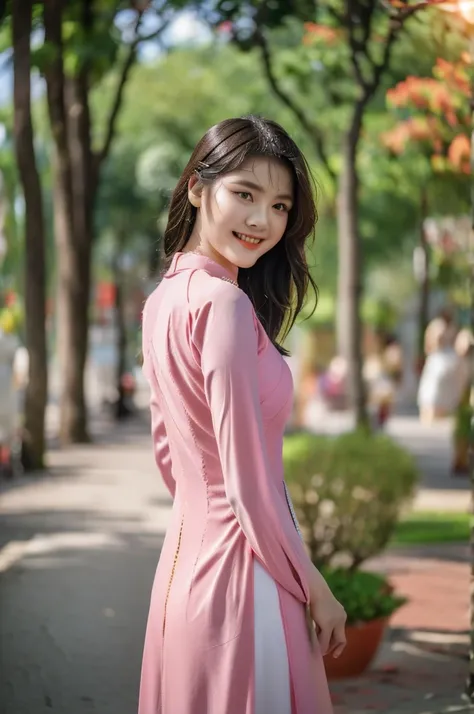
(363, 641)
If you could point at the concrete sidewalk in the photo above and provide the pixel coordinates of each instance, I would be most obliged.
(80, 548)
(78, 551)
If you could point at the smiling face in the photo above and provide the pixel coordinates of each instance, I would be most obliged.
(243, 214)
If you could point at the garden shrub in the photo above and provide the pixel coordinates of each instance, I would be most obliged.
(347, 492)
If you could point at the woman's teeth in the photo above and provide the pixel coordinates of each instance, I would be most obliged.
(245, 238)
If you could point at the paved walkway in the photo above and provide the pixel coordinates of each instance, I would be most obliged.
(78, 550)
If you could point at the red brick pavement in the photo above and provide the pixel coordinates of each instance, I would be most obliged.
(437, 592)
(422, 666)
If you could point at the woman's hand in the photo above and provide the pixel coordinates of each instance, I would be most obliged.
(328, 615)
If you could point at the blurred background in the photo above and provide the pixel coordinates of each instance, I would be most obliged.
(101, 105)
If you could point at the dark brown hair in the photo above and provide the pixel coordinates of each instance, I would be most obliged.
(278, 282)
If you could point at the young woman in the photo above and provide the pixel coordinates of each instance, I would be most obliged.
(227, 630)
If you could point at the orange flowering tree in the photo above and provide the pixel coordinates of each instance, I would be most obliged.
(436, 116)
(432, 134)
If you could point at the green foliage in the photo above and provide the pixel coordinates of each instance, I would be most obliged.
(379, 314)
(428, 527)
(87, 42)
(325, 313)
(11, 269)
(43, 55)
(271, 15)
(170, 102)
(365, 596)
(126, 214)
(176, 99)
(388, 287)
(348, 492)
(12, 319)
(214, 81)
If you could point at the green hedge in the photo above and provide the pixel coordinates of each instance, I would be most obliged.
(348, 492)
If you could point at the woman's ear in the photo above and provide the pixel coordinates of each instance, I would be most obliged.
(194, 191)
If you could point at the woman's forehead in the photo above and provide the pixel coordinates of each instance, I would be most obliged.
(270, 173)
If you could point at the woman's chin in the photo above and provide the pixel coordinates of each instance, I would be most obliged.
(243, 258)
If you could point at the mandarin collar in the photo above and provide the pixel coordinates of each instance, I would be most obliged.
(189, 261)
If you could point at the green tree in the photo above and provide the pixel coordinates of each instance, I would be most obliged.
(358, 37)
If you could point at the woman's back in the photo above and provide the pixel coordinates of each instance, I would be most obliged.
(221, 395)
(227, 629)
(179, 324)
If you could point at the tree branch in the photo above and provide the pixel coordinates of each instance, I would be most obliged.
(397, 18)
(409, 10)
(395, 27)
(396, 24)
(102, 154)
(311, 129)
(55, 86)
(356, 45)
(54, 73)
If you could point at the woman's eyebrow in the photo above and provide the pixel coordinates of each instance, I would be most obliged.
(257, 187)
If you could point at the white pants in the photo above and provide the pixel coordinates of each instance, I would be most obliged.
(272, 674)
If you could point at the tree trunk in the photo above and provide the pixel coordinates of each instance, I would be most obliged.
(75, 183)
(423, 309)
(72, 327)
(77, 170)
(35, 271)
(349, 325)
(75, 291)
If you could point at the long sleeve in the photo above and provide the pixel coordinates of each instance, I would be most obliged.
(225, 336)
(160, 444)
(158, 430)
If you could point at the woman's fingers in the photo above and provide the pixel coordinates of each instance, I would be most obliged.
(324, 638)
(332, 639)
(338, 639)
(338, 651)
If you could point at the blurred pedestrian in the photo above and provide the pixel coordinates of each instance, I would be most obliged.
(438, 393)
(443, 322)
(383, 370)
(227, 628)
(333, 383)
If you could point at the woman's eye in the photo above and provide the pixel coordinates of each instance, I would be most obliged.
(244, 194)
(282, 207)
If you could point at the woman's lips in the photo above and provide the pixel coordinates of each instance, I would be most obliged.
(246, 244)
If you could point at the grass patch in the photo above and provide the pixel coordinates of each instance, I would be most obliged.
(425, 527)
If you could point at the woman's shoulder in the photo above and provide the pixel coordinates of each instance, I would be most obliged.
(207, 290)
(219, 307)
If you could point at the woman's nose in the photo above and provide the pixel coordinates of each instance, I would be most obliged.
(258, 218)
